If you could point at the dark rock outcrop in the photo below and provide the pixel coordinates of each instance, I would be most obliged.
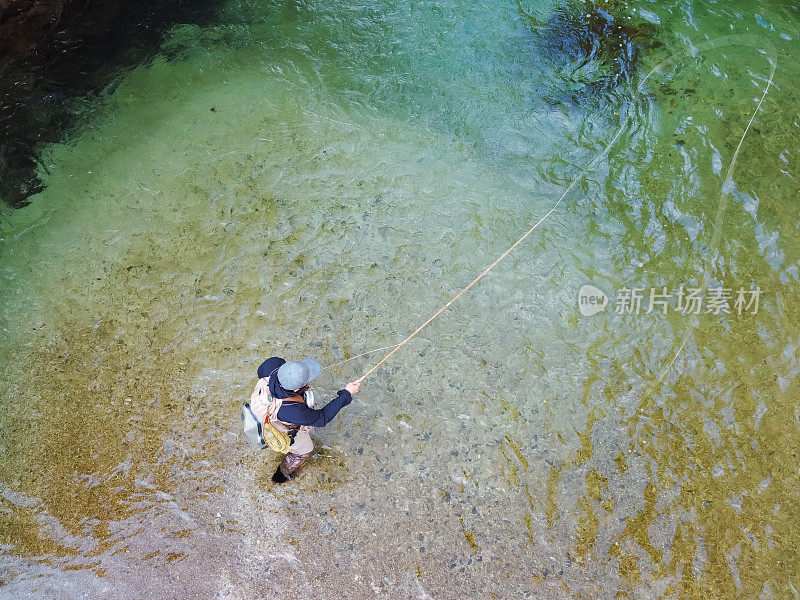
(55, 51)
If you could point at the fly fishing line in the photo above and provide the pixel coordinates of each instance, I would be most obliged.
(692, 52)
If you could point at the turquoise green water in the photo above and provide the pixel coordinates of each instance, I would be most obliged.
(306, 179)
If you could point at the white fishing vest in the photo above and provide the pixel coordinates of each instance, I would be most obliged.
(263, 403)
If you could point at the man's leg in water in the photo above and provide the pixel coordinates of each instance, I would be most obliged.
(299, 451)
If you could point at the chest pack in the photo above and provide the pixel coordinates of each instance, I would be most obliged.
(261, 432)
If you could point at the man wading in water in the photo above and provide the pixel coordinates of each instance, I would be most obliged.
(288, 384)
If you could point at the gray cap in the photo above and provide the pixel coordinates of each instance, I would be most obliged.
(294, 375)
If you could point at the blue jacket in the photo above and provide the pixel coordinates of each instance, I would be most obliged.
(299, 413)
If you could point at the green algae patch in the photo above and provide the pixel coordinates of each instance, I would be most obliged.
(468, 535)
(516, 449)
(20, 529)
(621, 463)
(596, 484)
(551, 510)
(588, 526)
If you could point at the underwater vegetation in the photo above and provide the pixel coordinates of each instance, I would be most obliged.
(594, 45)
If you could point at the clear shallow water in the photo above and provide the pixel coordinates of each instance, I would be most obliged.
(361, 164)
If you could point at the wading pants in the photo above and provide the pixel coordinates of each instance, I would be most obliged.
(302, 447)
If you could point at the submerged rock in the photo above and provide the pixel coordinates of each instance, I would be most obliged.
(595, 45)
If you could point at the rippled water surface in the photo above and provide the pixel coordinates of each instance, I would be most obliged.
(316, 179)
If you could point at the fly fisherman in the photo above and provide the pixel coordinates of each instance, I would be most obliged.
(294, 412)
